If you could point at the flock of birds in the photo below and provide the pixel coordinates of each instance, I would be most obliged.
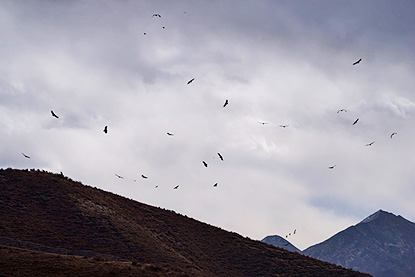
(226, 103)
(105, 130)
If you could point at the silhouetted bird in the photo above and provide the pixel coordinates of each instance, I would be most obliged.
(295, 231)
(170, 134)
(145, 177)
(26, 156)
(205, 164)
(263, 123)
(331, 167)
(394, 133)
(355, 121)
(356, 62)
(145, 34)
(342, 110)
(54, 115)
(176, 187)
(220, 157)
(191, 81)
(226, 103)
(119, 176)
(215, 185)
(105, 129)
(284, 126)
(157, 186)
(156, 15)
(369, 144)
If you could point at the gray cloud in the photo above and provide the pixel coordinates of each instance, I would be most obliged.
(276, 62)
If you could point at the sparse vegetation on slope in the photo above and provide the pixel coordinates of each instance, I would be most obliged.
(52, 210)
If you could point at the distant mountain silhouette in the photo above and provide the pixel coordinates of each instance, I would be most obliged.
(51, 212)
(279, 241)
(382, 244)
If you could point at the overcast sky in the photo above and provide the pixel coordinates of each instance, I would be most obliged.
(112, 63)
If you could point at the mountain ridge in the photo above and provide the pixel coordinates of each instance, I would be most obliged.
(380, 243)
(279, 241)
(54, 211)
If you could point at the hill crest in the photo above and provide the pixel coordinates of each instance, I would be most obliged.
(54, 211)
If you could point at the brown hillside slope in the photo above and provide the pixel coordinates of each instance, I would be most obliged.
(22, 262)
(54, 211)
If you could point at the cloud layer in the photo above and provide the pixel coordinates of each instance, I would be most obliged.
(110, 63)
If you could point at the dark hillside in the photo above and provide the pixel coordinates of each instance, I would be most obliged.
(22, 262)
(54, 211)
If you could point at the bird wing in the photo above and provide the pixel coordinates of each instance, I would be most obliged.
(356, 62)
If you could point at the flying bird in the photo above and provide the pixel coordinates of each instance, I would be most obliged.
(295, 231)
(394, 133)
(205, 164)
(358, 61)
(156, 15)
(157, 186)
(284, 126)
(220, 157)
(342, 110)
(119, 176)
(105, 129)
(54, 115)
(145, 177)
(369, 144)
(176, 187)
(331, 167)
(263, 123)
(169, 134)
(226, 103)
(145, 34)
(355, 121)
(26, 156)
(215, 185)
(190, 81)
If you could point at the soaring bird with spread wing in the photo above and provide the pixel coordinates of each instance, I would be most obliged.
(358, 61)
(53, 114)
